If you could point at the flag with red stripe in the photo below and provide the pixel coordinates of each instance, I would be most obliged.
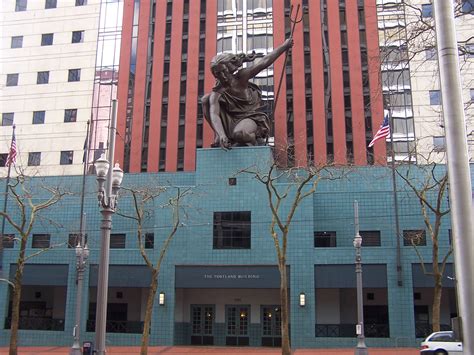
(383, 131)
(11, 158)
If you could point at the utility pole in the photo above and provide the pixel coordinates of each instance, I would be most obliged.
(458, 166)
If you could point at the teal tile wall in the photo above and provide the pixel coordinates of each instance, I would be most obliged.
(330, 209)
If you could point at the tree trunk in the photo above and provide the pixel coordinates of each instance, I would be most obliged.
(14, 324)
(438, 290)
(285, 333)
(149, 312)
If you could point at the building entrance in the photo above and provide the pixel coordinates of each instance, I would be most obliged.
(202, 324)
(271, 325)
(237, 325)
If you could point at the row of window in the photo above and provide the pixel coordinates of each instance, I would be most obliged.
(22, 5)
(34, 158)
(42, 77)
(321, 239)
(42, 241)
(70, 115)
(467, 6)
(47, 39)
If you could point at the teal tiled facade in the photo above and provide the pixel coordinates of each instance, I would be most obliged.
(329, 209)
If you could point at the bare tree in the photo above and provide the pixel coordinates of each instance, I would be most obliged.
(429, 184)
(143, 202)
(286, 188)
(29, 205)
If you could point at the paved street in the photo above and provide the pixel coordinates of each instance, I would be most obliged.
(178, 350)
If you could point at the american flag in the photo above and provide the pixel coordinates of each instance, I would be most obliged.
(383, 131)
(11, 158)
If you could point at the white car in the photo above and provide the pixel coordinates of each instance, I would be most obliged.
(441, 343)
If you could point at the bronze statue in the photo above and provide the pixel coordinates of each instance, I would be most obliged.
(233, 107)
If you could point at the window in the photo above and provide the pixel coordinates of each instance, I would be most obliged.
(70, 115)
(439, 143)
(370, 238)
(470, 50)
(41, 241)
(431, 54)
(12, 79)
(117, 241)
(416, 237)
(426, 10)
(47, 39)
(42, 77)
(471, 93)
(74, 75)
(73, 240)
(7, 118)
(149, 240)
(435, 97)
(81, 2)
(66, 157)
(17, 42)
(34, 158)
(467, 6)
(77, 36)
(324, 239)
(20, 5)
(8, 240)
(38, 117)
(51, 4)
(3, 160)
(232, 230)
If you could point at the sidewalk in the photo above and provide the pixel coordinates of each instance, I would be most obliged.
(180, 350)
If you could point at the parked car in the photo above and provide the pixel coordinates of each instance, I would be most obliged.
(441, 343)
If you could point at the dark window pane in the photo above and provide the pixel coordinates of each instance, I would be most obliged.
(41, 241)
(416, 237)
(325, 239)
(20, 5)
(74, 75)
(47, 39)
(370, 238)
(70, 115)
(3, 159)
(12, 79)
(117, 241)
(66, 157)
(51, 4)
(149, 241)
(426, 10)
(232, 230)
(81, 2)
(77, 36)
(43, 77)
(9, 240)
(17, 42)
(38, 117)
(34, 158)
(74, 239)
(7, 118)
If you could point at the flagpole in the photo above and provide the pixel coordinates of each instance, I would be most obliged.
(395, 198)
(5, 202)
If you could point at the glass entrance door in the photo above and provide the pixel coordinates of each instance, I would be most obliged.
(237, 325)
(202, 324)
(271, 325)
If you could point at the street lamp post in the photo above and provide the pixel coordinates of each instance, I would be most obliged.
(361, 348)
(108, 204)
(109, 181)
(82, 254)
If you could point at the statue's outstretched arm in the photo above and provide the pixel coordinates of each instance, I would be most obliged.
(266, 61)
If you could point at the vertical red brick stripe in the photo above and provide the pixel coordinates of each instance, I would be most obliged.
(122, 90)
(355, 74)
(157, 87)
(140, 87)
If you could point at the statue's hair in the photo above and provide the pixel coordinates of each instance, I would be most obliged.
(224, 58)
